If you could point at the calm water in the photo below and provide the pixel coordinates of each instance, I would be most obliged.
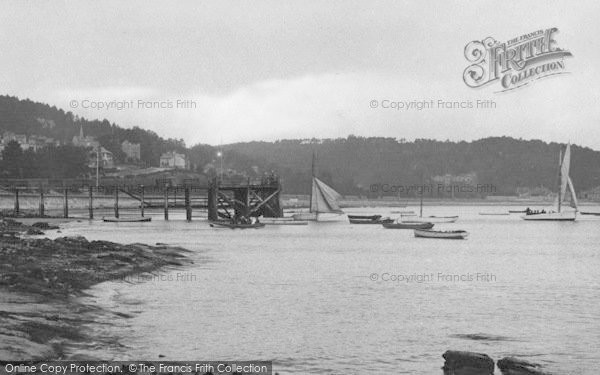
(303, 295)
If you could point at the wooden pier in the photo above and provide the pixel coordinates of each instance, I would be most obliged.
(222, 199)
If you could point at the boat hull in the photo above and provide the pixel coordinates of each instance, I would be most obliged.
(378, 221)
(313, 216)
(364, 217)
(551, 216)
(287, 222)
(448, 235)
(126, 219)
(436, 219)
(405, 225)
(217, 224)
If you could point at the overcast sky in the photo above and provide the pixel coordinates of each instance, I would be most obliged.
(266, 70)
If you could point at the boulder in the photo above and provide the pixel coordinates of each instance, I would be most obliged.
(467, 363)
(73, 239)
(516, 366)
(34, 231)
(44, 225)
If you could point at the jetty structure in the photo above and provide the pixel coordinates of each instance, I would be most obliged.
(220, 198)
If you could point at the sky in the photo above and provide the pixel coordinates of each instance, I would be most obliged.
(232, 71)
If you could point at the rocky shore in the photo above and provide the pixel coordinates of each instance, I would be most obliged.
(40, 280)
(469, 363)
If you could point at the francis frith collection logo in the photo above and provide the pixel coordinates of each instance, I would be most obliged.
(514, 63)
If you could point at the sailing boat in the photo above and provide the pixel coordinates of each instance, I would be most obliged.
(323, 201)
(564, 183)
(432, 219)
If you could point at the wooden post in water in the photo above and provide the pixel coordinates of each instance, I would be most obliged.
(117, 202)
(166, 202)
(66, 203)
(212, 200)
(188, 206)
(17, 201)
(143, 203)
(91, 202)
(41, 201)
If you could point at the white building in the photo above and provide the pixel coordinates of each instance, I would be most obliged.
(173, 159)
(132, 150)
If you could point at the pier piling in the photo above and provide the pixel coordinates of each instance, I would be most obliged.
(66, 203)
(16, 201)
(188, 206)
(166, 202)
(91, 202)
(142, 202)
(41, 201)
(212, 200)
(117, 202)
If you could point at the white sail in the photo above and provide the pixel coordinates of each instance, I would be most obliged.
(324, 198)
(564, 173)
(564, 184)
(574, 202)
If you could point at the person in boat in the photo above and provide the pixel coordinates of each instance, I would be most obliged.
(528, 211)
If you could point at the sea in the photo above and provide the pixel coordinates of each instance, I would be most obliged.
(336, 298)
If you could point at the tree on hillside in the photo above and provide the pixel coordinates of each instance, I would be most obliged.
(12, 158)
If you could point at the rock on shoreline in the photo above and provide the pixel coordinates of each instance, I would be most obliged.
(469, 363)
(40, 277)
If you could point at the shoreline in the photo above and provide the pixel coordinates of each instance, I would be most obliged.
(42, 279)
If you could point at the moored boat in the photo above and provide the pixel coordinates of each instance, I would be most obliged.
(324, 201)
(364, 217)
(494, 213)
(564, 185)
(450, 234)
(126, 219)
(227, 224)
(376, 219)
(408, 225)
(551, 216)
(436, 219)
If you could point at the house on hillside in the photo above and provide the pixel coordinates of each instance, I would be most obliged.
(131, 150)
(104, 158)
(173, 159)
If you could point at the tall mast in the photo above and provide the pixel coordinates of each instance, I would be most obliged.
(559, 179)
(421, 200)
(312, 182)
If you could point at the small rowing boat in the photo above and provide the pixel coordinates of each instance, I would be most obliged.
(378, 220)
(494, 213)
(516, 211)
(364, 217)
(408, 225)
(591, 213)
(451, 234)
(126, 219)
